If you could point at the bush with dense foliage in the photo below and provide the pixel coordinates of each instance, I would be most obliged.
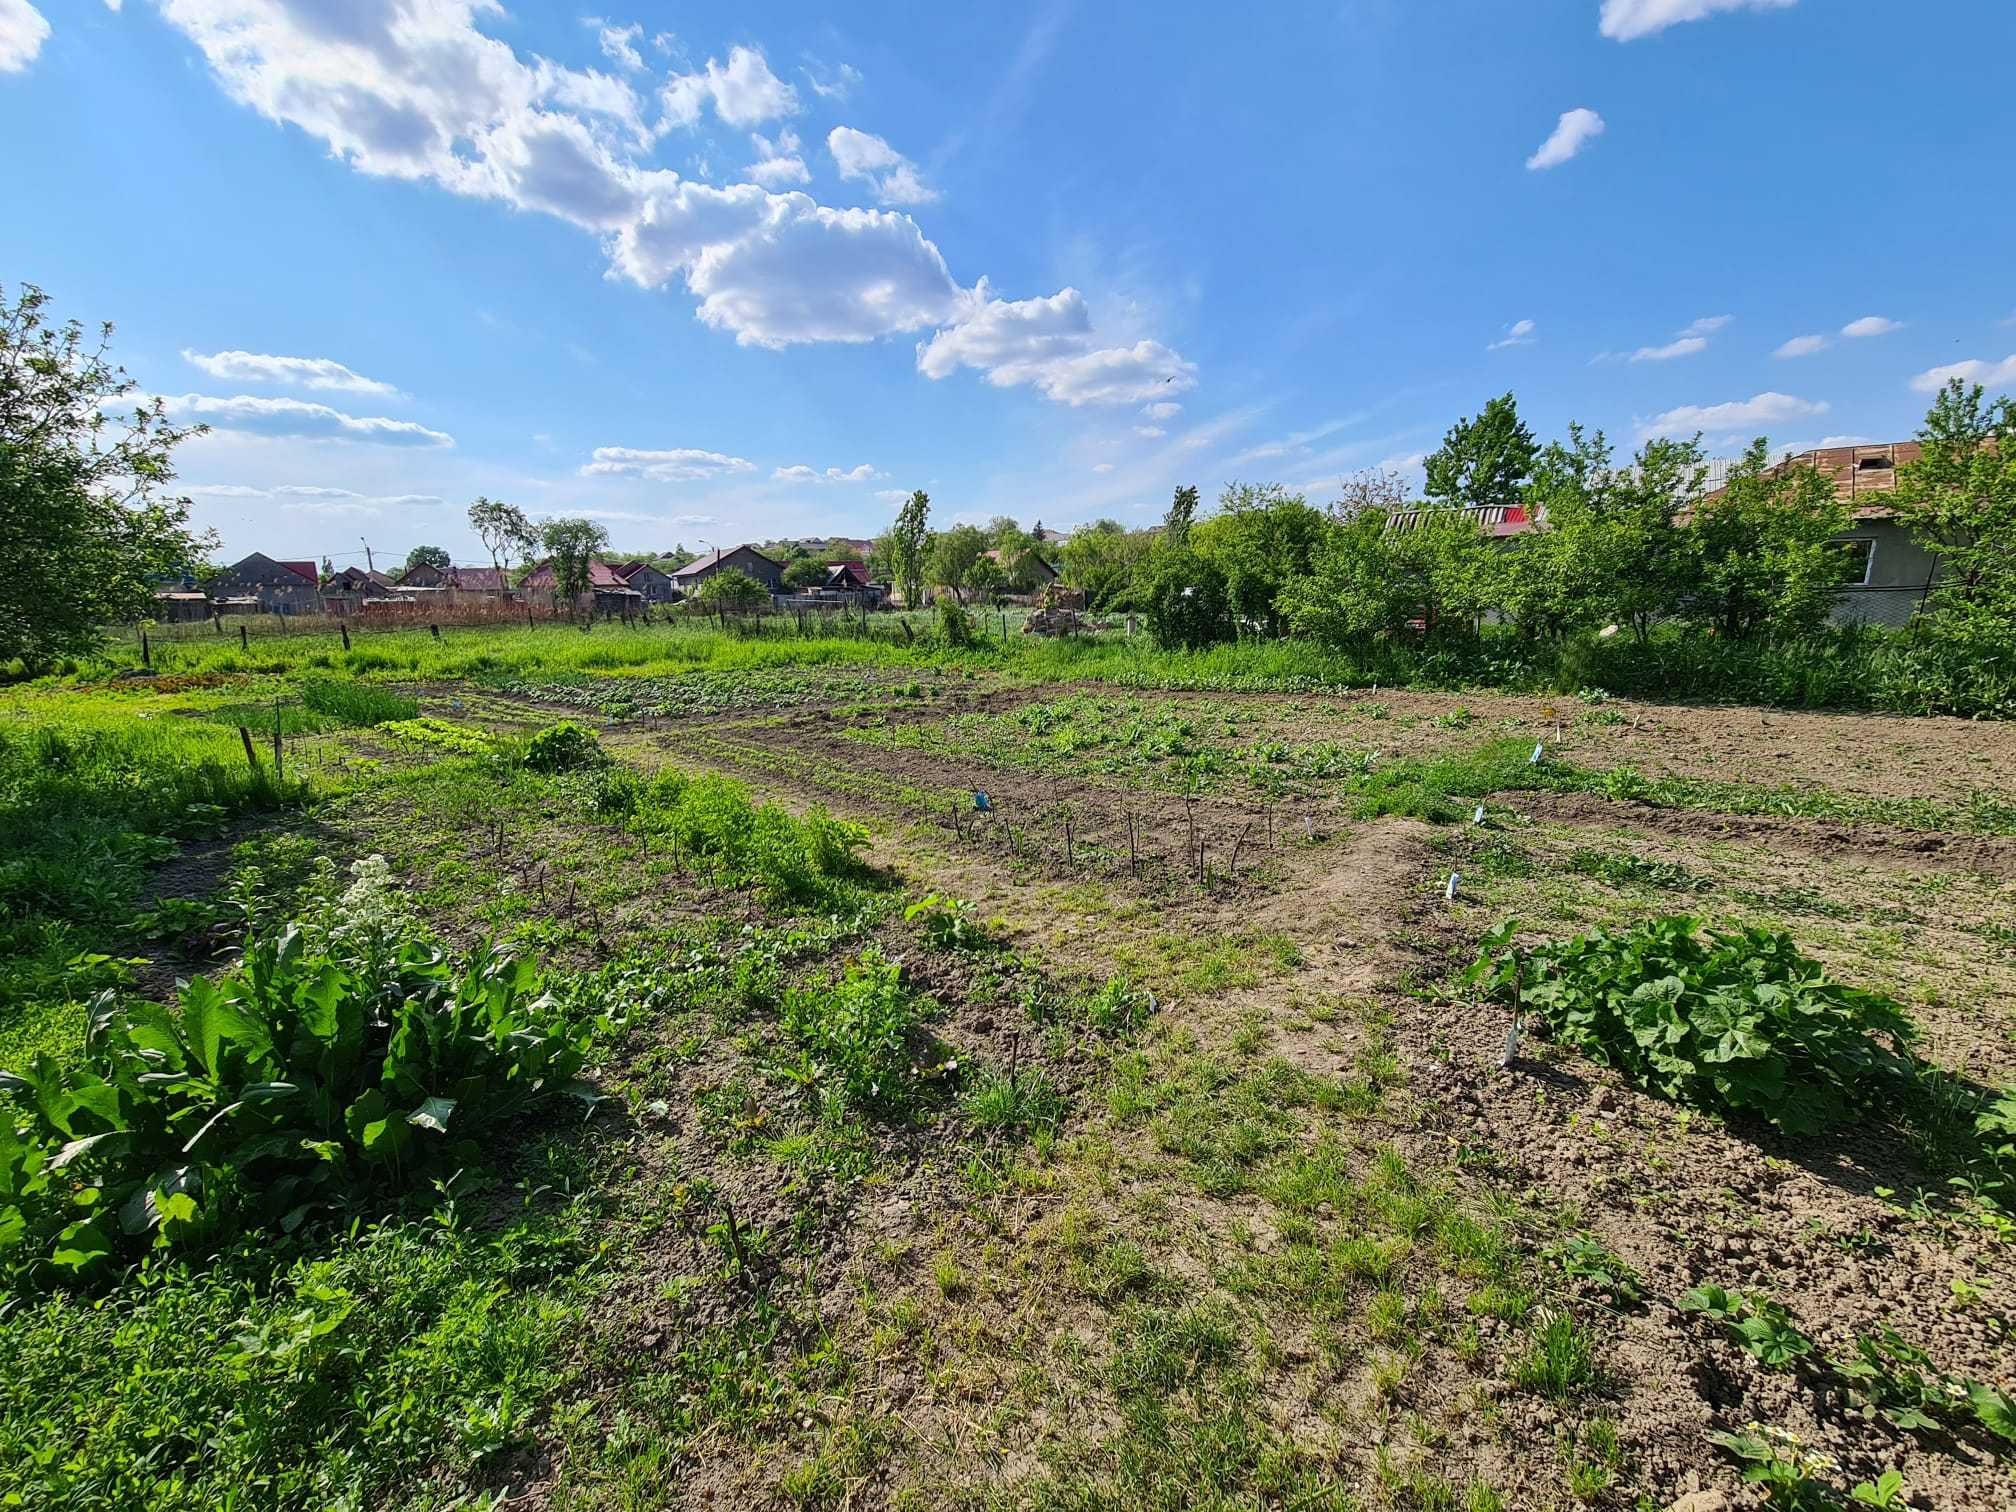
(340, 1062)
(1739, 1023)
(563, 747)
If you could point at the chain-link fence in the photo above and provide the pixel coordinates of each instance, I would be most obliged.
(1887, 606)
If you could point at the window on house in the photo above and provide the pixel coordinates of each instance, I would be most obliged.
(1873, 464)
(1860, 552)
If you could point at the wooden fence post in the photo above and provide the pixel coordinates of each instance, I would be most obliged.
(251, 756)
(344, 631)
(243, 643)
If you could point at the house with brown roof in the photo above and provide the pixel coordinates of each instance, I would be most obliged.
(273, 586)
(651, 581)
(1890, 572)
(454, 579)
(607, 592)
(744, 558)
(345, 592)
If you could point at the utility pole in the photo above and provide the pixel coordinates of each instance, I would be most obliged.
(369, 564)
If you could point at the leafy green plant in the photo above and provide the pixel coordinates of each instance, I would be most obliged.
(1760, 1325)
(330, 1067)
(563, 747)
(1586, 1257)
(713, 818)
(1887, 1490)
(1636, 871)
(948, 923)
(1778, 1464)
(863, 1035)
(440, 734)
(1733, 1022)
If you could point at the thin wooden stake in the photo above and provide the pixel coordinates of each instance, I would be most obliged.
(251, 756)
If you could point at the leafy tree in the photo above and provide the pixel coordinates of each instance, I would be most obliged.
(429, 556)
(1182, 512)
(572, 545)
(86, 531)
(803, 572)
(1959, 499)
(501, 527)
(1262, 539)
(732, 591)
(1007, 536)
(953, 553)
(1106, 562)
(900, 553)
(1483, 461)
(1433, 574)
(1187, 603)
(985, 578)
(1760, 553)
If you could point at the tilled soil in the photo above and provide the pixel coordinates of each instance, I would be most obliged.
(1818, 1225)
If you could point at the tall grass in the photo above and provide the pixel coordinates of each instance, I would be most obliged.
(86, 806)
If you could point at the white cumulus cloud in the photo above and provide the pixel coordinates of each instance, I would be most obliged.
(1150, 432)
(678, 464)
(1871, 325)
(743, 93)
(1575, 130)
(1519, 333)
(1765, 409)
(1048, 344)
(895, 179)
(778, 162)
(417, 90)
(23, 30)
(296, 419)
(1994, 375)
(323, 373)
(1801, 346)
(1166, 409)
(1628, 20)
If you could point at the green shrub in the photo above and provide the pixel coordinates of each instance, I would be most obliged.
(336, 1064)
(1736, 1023)
(563, 747)
(955, 625)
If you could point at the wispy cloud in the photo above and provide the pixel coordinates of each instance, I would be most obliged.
(297, 420)
(1871, 325)
(678, 464)
(800, 473)
(1802, 346)
(1575, 130)
(1760, 410)
(1519, 333)
(1628, 20)
(323, 373)
(1688, 342)
(859, 155)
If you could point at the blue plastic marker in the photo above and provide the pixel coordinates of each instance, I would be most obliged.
(1455, 880)
(982, 802)
(1478, 817)
(1539, 749)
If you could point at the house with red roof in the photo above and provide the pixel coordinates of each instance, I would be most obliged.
(276, 587)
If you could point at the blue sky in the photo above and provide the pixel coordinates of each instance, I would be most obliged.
(711, 274)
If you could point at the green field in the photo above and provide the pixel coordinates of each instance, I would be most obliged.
(629, 1069)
